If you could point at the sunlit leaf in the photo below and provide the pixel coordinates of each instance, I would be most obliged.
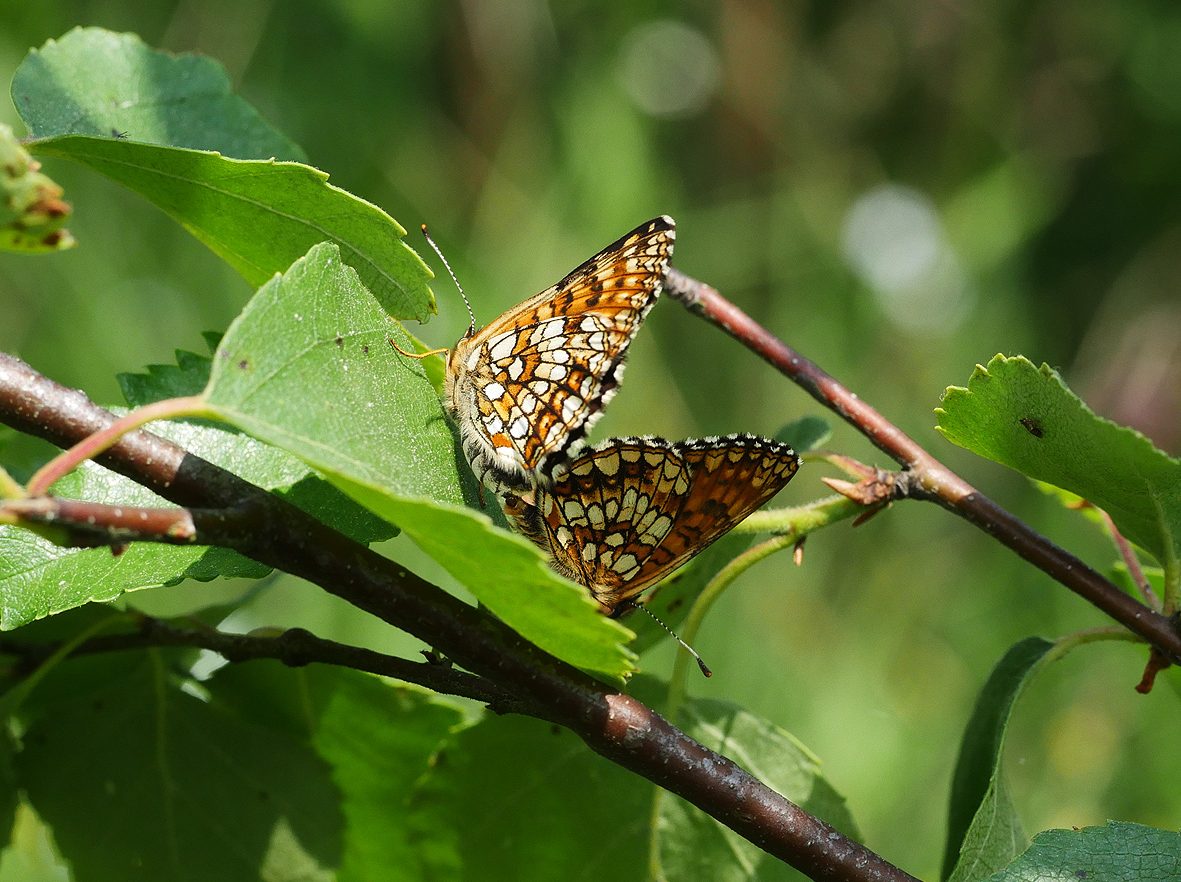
(39, 578)
(260, 215)
(1026, 418)
(1116, 852)
(377, 430)
(114, 86)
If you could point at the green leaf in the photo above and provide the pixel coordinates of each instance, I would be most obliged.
(565, 814)
(32, 213)
(307, 366)
(188, 376)
(260, 464)
(378, 738)
(260, 215)
(378, 432)
(114, 86)
(141, 780)
(510, 577)
(39, 578)
(1117, 852)
(983, 830)
(1027, 419)
(806, 433)
(597, 824)
(31, 857)
(695, 846)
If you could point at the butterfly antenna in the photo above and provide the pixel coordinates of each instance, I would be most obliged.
(693, 652)
(471, 328)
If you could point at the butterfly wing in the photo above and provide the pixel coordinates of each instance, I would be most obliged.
(626, 514)
(526, 389)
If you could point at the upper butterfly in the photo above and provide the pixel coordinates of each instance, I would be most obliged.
(526, 389)
(626, 513)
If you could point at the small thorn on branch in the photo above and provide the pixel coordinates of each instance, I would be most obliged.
(876, 490)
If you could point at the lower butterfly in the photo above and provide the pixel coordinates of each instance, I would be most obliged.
(624, 514)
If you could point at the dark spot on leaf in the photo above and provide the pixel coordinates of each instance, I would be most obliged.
(676, 604)
(244, 365)
(263, 796)
(118, 135)
(365, 348)
(52, 240)
(555, 729)
(339, 341)
(1034, 427)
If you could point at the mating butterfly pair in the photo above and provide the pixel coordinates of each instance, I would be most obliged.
(525, 390)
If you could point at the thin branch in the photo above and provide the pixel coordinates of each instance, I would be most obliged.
(94, 523)
(294, 647)
(612, 724)
(929, 478)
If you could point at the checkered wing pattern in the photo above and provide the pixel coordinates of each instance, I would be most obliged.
(525, 390)
(625, 514)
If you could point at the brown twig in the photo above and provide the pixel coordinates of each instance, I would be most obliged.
(613, 724)
(294, 647)
(928, 478)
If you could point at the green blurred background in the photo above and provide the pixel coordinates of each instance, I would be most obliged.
(899, 190)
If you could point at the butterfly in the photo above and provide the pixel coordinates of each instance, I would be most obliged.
(525, 390)
(624, 514)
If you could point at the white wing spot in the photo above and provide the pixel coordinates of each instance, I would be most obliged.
(626, 566)
(502, 347)
(570, 407)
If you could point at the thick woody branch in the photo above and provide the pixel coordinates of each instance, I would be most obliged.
(928, 479)
(611, 723)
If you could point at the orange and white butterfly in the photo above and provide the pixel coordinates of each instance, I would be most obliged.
(624, 514)
(525, 390)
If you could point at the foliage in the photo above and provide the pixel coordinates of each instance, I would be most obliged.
(262, 772)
